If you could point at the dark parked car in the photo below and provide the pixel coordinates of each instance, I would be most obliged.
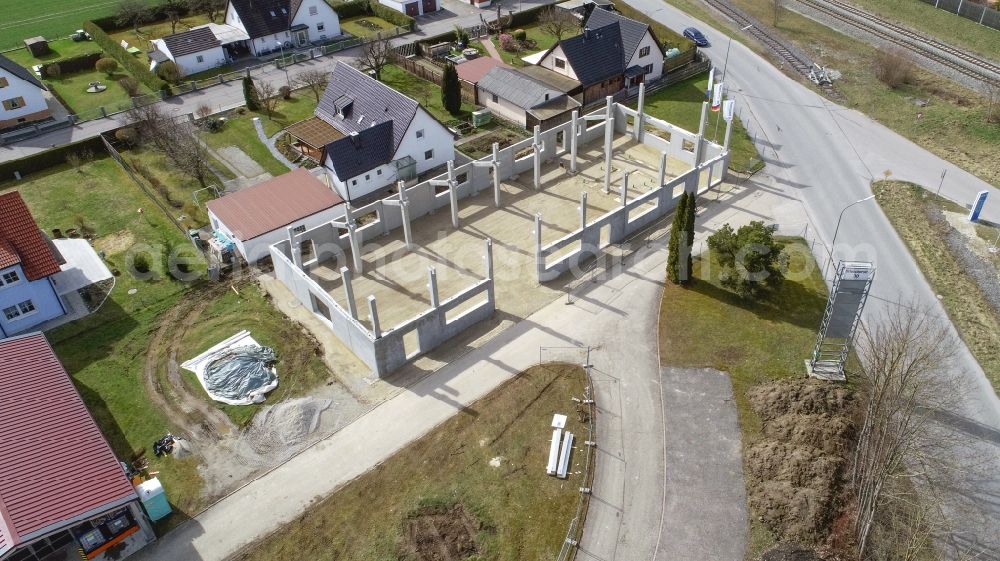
(697, 36)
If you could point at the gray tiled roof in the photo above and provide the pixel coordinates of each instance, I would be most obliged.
(517, 88)
(257, 19)
(190, 42)
(596, 54)
(19, 71)
(371, 102)
(632, 31)
(360, 152)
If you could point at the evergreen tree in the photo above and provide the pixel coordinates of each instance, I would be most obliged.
(250, 94)
(690, 211)
(451, 90)
(674, 245)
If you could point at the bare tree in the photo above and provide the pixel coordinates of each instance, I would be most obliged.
(904, 453)
(991, 91)
(208, 7)
(777, 7)
(893, 67)
(173, 10)
(132, 12)
(268, 95)
(374, 56)
(557, 22)
(175, 138)
(315, 80)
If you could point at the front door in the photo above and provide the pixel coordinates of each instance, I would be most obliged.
(430, 6)
(413, 9)
(302, 37)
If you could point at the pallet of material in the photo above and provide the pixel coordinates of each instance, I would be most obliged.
(554, 452)
(567, 446)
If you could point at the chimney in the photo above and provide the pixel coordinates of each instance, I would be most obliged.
(356, 139)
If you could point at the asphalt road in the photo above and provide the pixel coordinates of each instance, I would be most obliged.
(827, 156)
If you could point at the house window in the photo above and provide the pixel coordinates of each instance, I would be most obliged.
(10, 278)
(21, 309)
(496, 98)
(368, 177)
(11, 312)
(420, 133)
(14, 103)
(200, 58)
(354, 182)
(313, 10)
(26, 307)
(643, 52)
(428, 154)
(320, 26)
(378, 171)
(647, 69)
(3, 82)
(560, 63)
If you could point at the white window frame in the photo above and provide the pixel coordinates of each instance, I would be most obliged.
(644, 51)
(7, 313)
(5, 282)
(560, 63)
(320, 26)
(19, 311)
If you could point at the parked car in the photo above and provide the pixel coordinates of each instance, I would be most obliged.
(697, 36)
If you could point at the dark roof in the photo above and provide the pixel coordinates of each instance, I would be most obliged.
(554, 79)
(19, 71)
(55, 464)
(361, 151)
(517, 88)
(273, 204)
(22, 242)
(632, 31)
(595, 54)
(190, 42)
(257, 19)
(367, 102)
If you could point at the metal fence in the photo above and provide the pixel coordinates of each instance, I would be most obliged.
(113, 152)
(980, 13)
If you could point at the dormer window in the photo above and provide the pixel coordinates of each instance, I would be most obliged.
(273, 15)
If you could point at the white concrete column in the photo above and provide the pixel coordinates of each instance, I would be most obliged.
(663, 167)
(537, 161)
(609, 135)
(401, 190)
(452, 194)
(729, 130)
(708, 183)
(352, 235)
(345, 274)
(496, 183)
(537, 134)
(639, 116)
(583, 210)
(432, 286)
(295, 248)
(373, 313)
(381, 217)
(573, 134)
(404, 209)
(701, 122)
(539, 261)
(699, 141)
(488, 258)
(623, 190)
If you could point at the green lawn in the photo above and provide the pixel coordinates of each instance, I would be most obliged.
(949, 27)
(354, 26)
(516, 512)
(51, 18)
(72, 89)
(427, 94)
(706, 325)
(60, 49)
(537, 39)
(172, 188)
(680, 105)
(156, 30)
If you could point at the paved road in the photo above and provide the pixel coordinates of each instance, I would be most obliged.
(826, 156)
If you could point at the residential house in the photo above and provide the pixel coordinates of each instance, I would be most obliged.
(472, 71)
(28, 263)
(274, 24)
(256, 217)
(414, 8)
(614, 53)
(192, 51)
(388, 137)
(63, 493)
(524, 100)
(21, 97)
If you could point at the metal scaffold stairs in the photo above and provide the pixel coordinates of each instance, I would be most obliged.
(851, 285)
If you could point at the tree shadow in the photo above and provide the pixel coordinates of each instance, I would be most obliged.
(792, 302)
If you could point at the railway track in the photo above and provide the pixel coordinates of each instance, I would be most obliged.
(968, 64)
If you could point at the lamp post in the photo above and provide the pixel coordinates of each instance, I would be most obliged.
(284, 66)
(725, 64)
(837, 230)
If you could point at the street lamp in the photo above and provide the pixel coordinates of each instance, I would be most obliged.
(837, 229)
(284, 66)
(725, 63)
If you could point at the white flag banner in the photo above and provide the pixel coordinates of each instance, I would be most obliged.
(728, 107)
(711, 80)
(717, 97)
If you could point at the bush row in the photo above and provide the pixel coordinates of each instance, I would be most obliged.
(49, 158)
(130, 63)
(74, 64)
(156, 14)
(392, 16)
(353, 9)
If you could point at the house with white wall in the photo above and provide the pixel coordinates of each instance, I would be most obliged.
(514, 96)
(388, 137)
(257, 217)
(192, 51)
(414, 8)
(21, 97)
(274, 24)
(28, 262)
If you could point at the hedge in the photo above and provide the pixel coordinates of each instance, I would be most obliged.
(156, 14)
(47, 159)
(73, 64)
(130, 63)
(392, 16)
(526, 17)
(353, 8)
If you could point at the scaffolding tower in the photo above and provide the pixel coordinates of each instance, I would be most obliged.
(851, 284)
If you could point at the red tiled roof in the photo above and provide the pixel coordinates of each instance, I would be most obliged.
(21, 240)
(475, 69)
(54, 462)
(273, 204)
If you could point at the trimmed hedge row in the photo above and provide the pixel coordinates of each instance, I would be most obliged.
(47, 159)
(352, 9)
(155, 14)
(130, 63)
(77, 63)
(392, 16)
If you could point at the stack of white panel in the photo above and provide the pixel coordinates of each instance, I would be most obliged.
(554, 452)
(567, 446)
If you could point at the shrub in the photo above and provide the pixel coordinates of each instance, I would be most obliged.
(107, 66)
(893, 67)
(213, 125)
(250, 94)
(520, 34)
(129, 63)
(128, 135)
(286, 92)
(461, 36)
(451, 90)
(130, 85)
(353, 8)
(752, 262)
(508, 43)
(53, 70)
(168, 71)
(392, 16)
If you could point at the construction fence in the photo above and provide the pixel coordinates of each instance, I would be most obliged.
(980, 13)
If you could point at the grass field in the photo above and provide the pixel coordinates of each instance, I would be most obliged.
(59, 49)
(51, 18)
(479, 476)
(425, 93)
(354, 27)
(72, 88)
(706, 325)
(949, 27)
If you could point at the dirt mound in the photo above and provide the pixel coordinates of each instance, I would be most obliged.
(440, 534)
(796, 472)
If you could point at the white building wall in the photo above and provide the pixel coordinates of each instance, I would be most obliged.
(436, 137)
(503, 108)
(655, 57)
(550, 62)
(325, 15)
(34, 100)
(365, 183)
(189, 64)
(255, 249)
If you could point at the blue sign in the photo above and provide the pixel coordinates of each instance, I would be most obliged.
(977, 207)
